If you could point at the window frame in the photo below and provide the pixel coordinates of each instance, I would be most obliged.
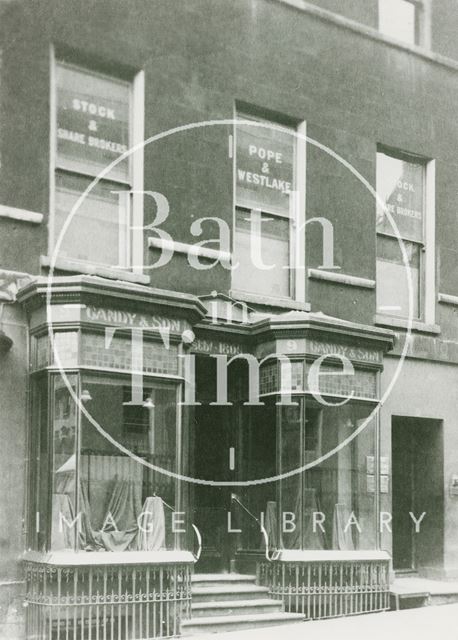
(421, 23)
(130, 243)
(41, 540)
(296, 215)
(426, 283)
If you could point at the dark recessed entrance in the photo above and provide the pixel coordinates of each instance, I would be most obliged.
(418, 488)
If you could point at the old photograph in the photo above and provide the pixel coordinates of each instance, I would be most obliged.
(228, 319)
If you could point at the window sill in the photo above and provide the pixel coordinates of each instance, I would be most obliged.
(401, 323)
(267, 301)
(87, 268)
(341, 278)
(447, 298)
(319, 555)
(189, 249)
(89, 558)
(23, 215)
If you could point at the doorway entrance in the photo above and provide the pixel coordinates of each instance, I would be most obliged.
(418, 494)
(216, 456)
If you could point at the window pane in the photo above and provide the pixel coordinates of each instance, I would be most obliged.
(40, 463)
(340, 492)
(98, 231)
(126, 505)
(344, 485)
(392, 287)
(264, 166)
(291, 497)
(400, 185)
(64, 430)
(397, 18)
(92, 121)
(271, 234)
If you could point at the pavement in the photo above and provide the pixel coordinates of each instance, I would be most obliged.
(417, 585)
(426, 623)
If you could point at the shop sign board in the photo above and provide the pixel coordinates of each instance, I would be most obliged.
(92, 122)
(361, 354)
(209, 347)
(400, 185)
(131, 319)
(264, 167)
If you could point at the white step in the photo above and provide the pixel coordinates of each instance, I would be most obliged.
(235, 607)
(220, 579)
(228, 592)
(216, 624)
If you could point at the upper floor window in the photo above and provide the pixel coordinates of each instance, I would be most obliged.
(404, 186)
(93, 127)
(268, 208)
(401, 19)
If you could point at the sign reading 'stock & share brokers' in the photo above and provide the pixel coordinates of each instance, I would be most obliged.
(264, 166)
(400, 185)
(92, 121)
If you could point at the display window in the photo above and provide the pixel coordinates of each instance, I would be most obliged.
(332, 504)
(99, 464)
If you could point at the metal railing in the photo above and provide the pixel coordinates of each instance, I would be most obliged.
(328, 589)
(106, 602)
(236, 499)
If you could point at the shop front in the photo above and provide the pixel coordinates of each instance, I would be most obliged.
(107, 556)
(292, 449)
(162, 441)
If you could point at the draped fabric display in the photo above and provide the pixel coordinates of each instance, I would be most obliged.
(126, 525)
(62, 535)
(271, 526)
(341, 532)
(151, 533)
(120, 527)
(312, 539)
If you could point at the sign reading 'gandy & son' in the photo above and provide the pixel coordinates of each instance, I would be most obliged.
(361, 354)
(92, 121)
(130, 319)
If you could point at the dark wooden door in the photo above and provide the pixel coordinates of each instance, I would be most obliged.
(403, 478)
(214, 436)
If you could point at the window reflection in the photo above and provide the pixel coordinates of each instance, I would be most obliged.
(102, 498)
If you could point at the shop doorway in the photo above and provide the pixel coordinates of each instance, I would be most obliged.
(417, 492)
(214, 435)
(216, 456)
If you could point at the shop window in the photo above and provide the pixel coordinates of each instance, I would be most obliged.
(268, 197)
(338, 491)
(93, 127)
(404, 189)
(86, 492)
(401, 19)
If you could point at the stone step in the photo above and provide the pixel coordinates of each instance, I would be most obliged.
(228, 592)
(235, 607)
(217, 624)
(221, 579)
(442, 598)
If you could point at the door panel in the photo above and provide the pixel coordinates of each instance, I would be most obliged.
(418, 488)
(403, 490)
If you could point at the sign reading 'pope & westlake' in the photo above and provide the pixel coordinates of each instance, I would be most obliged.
(264, 166)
